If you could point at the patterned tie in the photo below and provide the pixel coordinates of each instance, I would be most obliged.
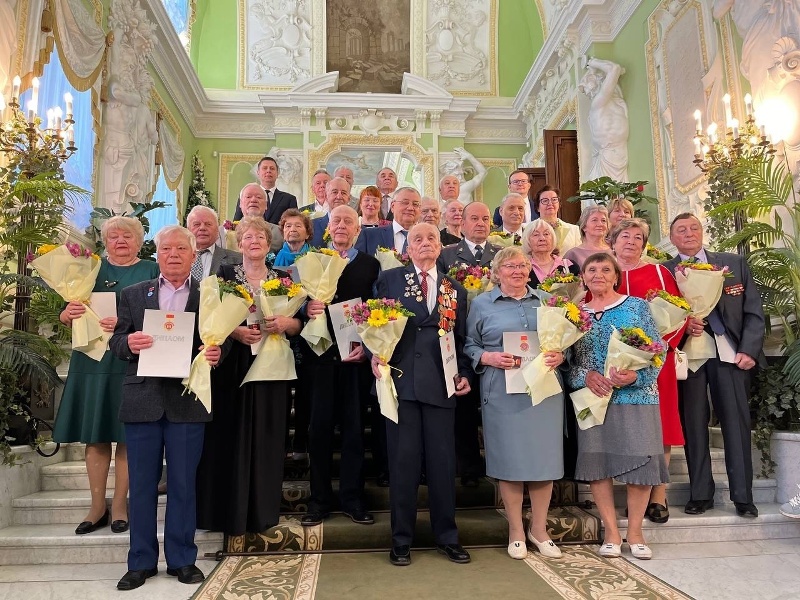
(478, 252)
(385, 205)
(404, 249)
(423, 284)
(197, 266)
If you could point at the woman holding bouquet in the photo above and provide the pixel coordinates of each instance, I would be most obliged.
(593, 224)
(241, 469)
(538, 243)
(89, 409)
(638, 277)
(627, 445)
(514, 430)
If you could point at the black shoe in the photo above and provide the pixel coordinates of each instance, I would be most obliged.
(746, 509)
(134, 579)
(120, 526)
(312, 518)
(400, 556)
(469, 482)
(454, 552)
(382, 480)
(698, 507)
(187, 574)
(657, 513)
(361, 517)
(89, 527)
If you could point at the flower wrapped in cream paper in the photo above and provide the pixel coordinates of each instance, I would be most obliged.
(319, 271)
(629, 348)
(275, 359)
(474, 278)
(502, 239)
(563, 284)
(559, 324)
(71, 271)
(223, 306)
(669, 311)
(701, 285)
(391, 259)
(380, 324)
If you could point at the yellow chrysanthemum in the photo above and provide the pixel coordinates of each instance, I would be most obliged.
(45, 248)
(573, 313)
(271, 284)
(640, 332)
(328, 251)
(294, 290)
(377, 318)
(472, 283)
(657, 360)
(392, 314)
(245, 294)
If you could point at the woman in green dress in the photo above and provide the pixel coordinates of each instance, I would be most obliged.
(89, 407)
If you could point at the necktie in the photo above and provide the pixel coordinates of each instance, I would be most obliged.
(404, 249)
(267, 193)
(478, 253)
(385, 205)
(197, 266)
(423, 284)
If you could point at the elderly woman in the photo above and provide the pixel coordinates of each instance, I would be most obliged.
(547, 203)
(627, 446)
(241, 470)
(369, 207)
(619, 209)
(523, 442)
(453, 217)
(538, 242)
(297, 231)
(89, 409)
(628, 240)
(593, 224)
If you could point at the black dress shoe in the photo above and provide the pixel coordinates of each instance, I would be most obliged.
(382, 480)
(746, 509)
(134, 579)
(400, 556)
(469, 482)
(657, 513)
(187, 574)
(361, 517)
(312, 518)
(120, 526)
(89, 527)
(454, 552)
(698, 507)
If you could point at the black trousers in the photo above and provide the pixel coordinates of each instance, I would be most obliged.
(468, 421)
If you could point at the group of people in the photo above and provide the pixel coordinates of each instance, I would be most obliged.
(225, 468)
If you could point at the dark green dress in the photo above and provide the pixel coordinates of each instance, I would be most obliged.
(89, 408)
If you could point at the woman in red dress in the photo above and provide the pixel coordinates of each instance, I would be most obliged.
(628, 241)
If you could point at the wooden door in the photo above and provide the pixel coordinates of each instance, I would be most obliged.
(561, 169)
(538, 179)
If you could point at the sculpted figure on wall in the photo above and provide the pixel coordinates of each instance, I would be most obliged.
(608, 119)
(291, 172)
(456, 167)
(129, 127)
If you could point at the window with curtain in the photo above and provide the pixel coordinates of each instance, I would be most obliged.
(178, 13)
(78, 169)
(161, 217)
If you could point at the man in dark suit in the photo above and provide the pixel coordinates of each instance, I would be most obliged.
(337, 193)
(253, 200)
(340, 383)
(386, 182)
(346, 173)
(318, 183)
(473, 249)
(406, 207)
(203, 222)
(519, 183)
(160, 420)
(277, 201)
(737, 322)
(426, 411)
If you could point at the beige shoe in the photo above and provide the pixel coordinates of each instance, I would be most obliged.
(546, 548)
(609, 550)
(518, 550)
(641, 551)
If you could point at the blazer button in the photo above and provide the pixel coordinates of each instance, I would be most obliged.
(419, 328)
(418, 355)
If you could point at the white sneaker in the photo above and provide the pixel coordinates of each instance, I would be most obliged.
(792, 508)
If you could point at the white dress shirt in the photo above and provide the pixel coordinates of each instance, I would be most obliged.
(431, 274)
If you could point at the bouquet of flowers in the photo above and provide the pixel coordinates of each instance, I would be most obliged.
(391, 259)
(223, 305)
(319, 271)
(504, 239)
(669, 311)
(629, 348)
(314, 214)
(565, 284)
(71, 271)
(275, 359)
(230, 235)
(380, 323)
(655, 256)
(474, 278)
(701, 285)
(559, 324)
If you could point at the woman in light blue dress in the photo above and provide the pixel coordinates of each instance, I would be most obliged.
(523, 442)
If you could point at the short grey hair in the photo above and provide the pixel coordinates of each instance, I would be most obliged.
(511, 196)
(171, 229)
(588, 212)
(129, 224)
(530, 228)
(199, 208)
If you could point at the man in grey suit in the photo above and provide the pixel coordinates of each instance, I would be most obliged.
(203, 222)
(160, 420)
(737, 322)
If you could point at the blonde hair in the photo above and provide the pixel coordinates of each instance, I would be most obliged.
(588, 212)
(504, 255)
(257, 223)
(129, 224)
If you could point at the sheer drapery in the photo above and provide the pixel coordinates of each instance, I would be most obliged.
(173, 155)
(80, 41)
(161, 217)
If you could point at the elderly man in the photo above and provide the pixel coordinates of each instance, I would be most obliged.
(406, 207)
(337, 193)
(277, 201)
(453, 213)
(386, 181)
(737, 324)
(346, 173)
(430, 212)
(318, 182)
(512, 212)
(338, 385)
(253, 200)
(449, 188)
(518, 183)
(426, 410)
(203, 222)
(160, 420)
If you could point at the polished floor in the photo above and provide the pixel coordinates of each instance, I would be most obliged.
(765, 569)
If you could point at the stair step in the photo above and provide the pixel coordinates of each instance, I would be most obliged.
(678, 466)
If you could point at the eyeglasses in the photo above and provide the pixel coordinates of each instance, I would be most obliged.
(516, 267)
(407, 203)
(518, 182)
(548, 200)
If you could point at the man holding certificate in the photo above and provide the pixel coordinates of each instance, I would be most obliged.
(426, 411)
(159, 420)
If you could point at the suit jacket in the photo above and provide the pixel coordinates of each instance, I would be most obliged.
(741, 313)
(460, 253)
(278, 203)
(147, 399)
(370, 239)
(223, 256)
(448, 238)
(318, 226)
(418, 354)
(498, 220)
(309, 207)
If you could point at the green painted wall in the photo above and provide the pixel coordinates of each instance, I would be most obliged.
(519, 39)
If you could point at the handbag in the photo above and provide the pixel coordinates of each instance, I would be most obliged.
(681, 365)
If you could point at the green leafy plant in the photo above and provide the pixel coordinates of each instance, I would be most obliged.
(139, 211)
(776, 405)
(604, 189)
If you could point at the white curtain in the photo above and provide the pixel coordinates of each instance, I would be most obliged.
(80, 40)
(172, 153)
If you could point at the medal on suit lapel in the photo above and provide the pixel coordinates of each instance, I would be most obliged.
(447, 307)
(413, 290)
